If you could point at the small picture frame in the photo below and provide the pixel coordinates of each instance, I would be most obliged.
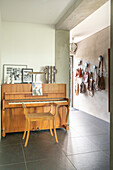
(37, 89)
(26, 76)
(13, 71)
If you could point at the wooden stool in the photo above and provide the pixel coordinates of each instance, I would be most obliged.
(30, 117)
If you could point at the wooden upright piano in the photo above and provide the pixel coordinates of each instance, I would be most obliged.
(13, 95)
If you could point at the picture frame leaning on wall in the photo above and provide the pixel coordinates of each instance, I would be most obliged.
(26, 77)
(12, 70)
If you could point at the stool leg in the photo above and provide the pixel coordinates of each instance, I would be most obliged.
(28, 132)
(25, 130)
(55, 131)
(50, 128)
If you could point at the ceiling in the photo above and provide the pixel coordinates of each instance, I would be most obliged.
(97, 21)
(64, 14)
(80, 10)
(34, 11)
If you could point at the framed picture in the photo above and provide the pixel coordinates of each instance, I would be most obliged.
(13, 71)
(26, 76)
(37, 89)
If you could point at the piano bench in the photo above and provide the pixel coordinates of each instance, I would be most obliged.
(50, 116)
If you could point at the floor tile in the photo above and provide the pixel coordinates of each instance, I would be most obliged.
(102, 141)
(90, 161)
(107, 153)
(59, 163)
(41, 136)
(86, 131)
(78, 145)
(75, 123)
(20, 166)
(11, 139)
(63, 134)
(11, 154)
(42, 150)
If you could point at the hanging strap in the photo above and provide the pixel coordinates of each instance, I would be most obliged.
(99, 68)
(102, 66)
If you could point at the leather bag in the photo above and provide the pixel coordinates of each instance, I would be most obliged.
(91, 85)
(82, 88)
(76, 88)
(101, 81)
(79, 73)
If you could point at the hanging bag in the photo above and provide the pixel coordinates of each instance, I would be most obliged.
(79, 73)
(98, 77)
(90, 85)
(76, 88)
(82, 88)
(102, 82)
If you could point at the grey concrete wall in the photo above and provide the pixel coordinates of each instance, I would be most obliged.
(89, 50)
(62, 57)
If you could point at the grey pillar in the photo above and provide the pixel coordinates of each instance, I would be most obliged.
(62, 57)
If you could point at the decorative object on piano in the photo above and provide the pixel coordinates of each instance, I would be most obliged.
(50, 72)
(26, 77)
(37, 89)
(37, 78)
(15, 71)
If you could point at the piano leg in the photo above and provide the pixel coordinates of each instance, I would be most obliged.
(66, 126)
(67, 114)
(3, 132)
(3, 123)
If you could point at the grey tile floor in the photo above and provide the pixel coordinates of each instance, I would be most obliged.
(84, 147)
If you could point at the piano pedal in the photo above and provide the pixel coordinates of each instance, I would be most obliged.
(33, 129)
(38, 128)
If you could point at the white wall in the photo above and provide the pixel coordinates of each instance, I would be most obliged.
(30, 44)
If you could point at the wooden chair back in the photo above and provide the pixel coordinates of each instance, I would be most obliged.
(52, 105)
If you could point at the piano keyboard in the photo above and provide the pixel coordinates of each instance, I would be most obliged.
(37, 102)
